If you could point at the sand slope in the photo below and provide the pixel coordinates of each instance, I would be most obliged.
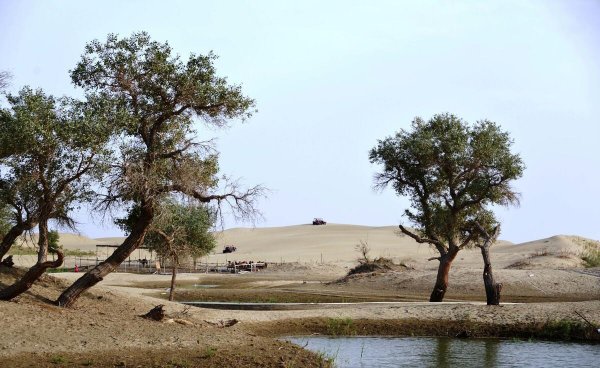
(336, 243)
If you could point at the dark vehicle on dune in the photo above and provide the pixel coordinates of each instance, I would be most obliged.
(319, 221)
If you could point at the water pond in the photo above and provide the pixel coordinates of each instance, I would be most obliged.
(362, 352)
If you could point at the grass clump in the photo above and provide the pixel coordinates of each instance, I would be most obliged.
(58, 359)
(590, 253)
(591, 256)
(325, 361)
(209, 352)
(341, 327)
(563, 329)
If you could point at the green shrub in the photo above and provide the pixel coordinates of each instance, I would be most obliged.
(563, 329)
(341, 327)
(58, 359)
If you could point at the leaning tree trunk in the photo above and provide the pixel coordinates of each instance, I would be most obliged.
(492, 290)
(34, 273)
(441, 282)
(37, 270)
(96, 274)
(9, 239)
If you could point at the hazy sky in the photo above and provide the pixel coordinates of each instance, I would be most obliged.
(332, 77)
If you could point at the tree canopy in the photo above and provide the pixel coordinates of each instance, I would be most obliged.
(52, 151)
(178, 231)
(452, 172)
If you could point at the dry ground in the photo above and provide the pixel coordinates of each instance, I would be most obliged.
(105, 329)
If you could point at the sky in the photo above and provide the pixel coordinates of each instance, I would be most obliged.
(330, 78)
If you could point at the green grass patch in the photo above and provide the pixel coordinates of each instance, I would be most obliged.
(58, 360)
(563, 329)
(325, 361)
(58, 270)
(341, 327)
(209, 352)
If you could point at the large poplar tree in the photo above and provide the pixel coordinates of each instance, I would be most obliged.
(452, 172)
(159, 153)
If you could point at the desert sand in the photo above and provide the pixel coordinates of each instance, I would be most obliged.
(544, 281)
(335, 244)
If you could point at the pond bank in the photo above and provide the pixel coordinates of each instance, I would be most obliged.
(564, 330)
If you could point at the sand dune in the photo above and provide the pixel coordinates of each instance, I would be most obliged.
(335, 243)
(67, 240)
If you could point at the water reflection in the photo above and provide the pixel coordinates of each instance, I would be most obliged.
(491, 353)
(442, 352)
(363, 352)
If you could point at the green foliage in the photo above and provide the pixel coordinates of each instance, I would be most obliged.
(341, 327)
(6, 219)
(58, 359)
(451, 172)
(53, 239)
(51, 151)
(325, 361)
(157, 95)
(564, 329)
(178, 230)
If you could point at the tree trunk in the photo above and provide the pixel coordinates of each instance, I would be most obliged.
(9, 239)
(43, 240)
(492, 290)
(441, 282)
(173, 276)
(96, 274)
(34, 273)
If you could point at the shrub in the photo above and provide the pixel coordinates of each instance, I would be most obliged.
(377, 264)
(341, 327)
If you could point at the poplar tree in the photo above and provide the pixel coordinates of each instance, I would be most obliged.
(452, 172)
(162, 98)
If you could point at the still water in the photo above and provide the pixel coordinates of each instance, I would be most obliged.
(362, 352)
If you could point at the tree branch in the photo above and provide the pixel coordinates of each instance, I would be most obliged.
(438, 244)
(178, 152)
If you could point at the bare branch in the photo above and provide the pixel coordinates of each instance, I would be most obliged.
(5, 78)
(438, 244)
